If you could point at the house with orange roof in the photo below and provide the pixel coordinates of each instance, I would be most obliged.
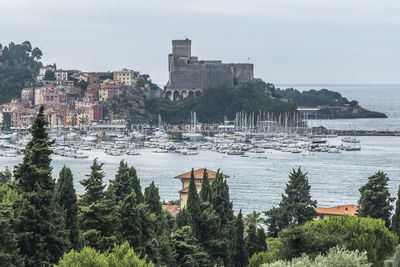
(198, 178)
(341, 210)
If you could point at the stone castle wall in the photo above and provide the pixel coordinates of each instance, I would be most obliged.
(189, 76)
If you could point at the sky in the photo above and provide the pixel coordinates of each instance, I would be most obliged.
(288, 41)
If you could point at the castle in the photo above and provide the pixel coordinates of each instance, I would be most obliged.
(188, 75)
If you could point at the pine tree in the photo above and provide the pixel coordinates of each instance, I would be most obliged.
(205, 188)
(97, 216)
(296, 206)
(41, 233)
(66, 198)
(375, 200)
(9, 251)
(240, 257)
(396, 216)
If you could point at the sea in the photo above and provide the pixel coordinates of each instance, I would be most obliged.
(256, 183)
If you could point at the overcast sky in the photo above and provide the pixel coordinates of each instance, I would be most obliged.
(289, 41)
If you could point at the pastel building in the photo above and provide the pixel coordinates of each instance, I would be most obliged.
(128, 77)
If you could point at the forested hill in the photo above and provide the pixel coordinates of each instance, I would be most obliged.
(19, 65)
(215, 103)
(313, 98)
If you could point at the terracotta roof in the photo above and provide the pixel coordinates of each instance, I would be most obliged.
(184, 190)
(78, 196)
(338, 210)
(198, 174)
(173, 209)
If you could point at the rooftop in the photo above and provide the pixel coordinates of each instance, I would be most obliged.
(172, 209)
(198, 174)
(338, 210)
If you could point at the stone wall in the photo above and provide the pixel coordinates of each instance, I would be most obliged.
(188, 75)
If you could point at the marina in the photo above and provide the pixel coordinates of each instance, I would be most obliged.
(259, 169)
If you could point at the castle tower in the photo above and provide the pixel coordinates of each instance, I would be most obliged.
(182, 48)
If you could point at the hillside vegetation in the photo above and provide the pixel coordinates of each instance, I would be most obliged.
(19, 65)
(215, 103)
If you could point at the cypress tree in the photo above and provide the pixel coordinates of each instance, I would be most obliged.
(396, 216)
(240, 257)
(251, 240)
(152, 199)
(205, 188)
(97, 218)
(66, 198)
(375, 200)
(220, 199)
(125, 181)
(9, 251)
(261, 240)
(130, 227)
(41, 236)
(296, 206)
(188, 249)
(193, 203)
(182, 219)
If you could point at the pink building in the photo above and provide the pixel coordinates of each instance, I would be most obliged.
(95, 113)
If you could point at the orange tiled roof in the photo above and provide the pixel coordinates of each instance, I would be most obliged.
(173, 209)
(185, 190)
(198, 174)
(338, 210)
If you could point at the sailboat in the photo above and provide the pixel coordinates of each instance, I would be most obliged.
(192, 135)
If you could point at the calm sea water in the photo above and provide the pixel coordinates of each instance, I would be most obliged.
(257, 184)
(383, 98)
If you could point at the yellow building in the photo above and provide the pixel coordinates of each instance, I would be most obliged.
(126, 76)
(103, 94)
(198, 179)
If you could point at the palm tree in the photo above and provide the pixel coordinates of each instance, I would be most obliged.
(253, 218)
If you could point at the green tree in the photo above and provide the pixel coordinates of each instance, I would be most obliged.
(375, 200)
(66, 198)
(253, 218)
(193, 204)
(5, 176)
(135, 223)
(336, 257)
(41, 233)
(119, 256)
(188, 249)
(220, 199)
(9, 251)
(296, 206)
(240, 255)
(152, 199)
(96, 212)
(251, 240)
(49, 75)
(396, 216)
(353, 232)
(205, 193)
(124, 182)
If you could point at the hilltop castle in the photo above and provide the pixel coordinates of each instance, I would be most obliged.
(188, 75)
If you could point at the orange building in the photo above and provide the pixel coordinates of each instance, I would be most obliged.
(198, 178)
(342, 210)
